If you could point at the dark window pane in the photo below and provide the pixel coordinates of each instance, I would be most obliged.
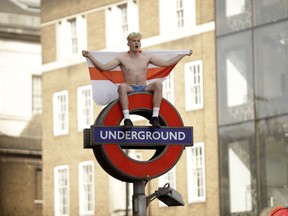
(273, 136)
(235, 83)
(271, 47)
(233, 15)
(270, 11)
(238, 170)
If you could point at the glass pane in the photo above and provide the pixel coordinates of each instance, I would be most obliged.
(238, 176)
(233, 15)
(273, 136)
(235, 78)
(270, 10)
(271, 46)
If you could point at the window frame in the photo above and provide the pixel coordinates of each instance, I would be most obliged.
(180, 13)
(56, 112)
(168, 93)
(72, 23)
(168, 16)
(36, 94)
(82, 192)
(38, 186)
(57, 194)
(120, 19)
(191, 105)
(124, 19)
(192, 197)
(76, 32)
(82, 105)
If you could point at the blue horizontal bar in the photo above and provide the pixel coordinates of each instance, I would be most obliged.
(142, 135)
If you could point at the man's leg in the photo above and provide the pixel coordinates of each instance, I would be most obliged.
(123, 91)
(156, 89)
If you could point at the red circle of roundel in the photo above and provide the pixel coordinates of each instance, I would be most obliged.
(279, 211)
(125, 168)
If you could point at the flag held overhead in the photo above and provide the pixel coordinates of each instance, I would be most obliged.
(105, 83)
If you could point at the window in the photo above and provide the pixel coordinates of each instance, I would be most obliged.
(86, 188)
(271, 81)
(176, 14)
(235, 81)
(124, 20)
(71, 37)
(60, 113)
(238, 153)
(267, 11)
(120, 20)
(235, 78)
(234, 8)
(168, 88)
(61, 190)
(36, 94)
(273, 142)
(240, 176)
(38, 186)
(194, 85)
(85, 107)
(169, 177)
(180, 13)
(196, 173)
(233, 15)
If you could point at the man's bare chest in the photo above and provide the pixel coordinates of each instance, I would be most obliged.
(135, 65)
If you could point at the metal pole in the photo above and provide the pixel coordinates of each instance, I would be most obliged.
(127, 192)
(127, 199)
(139, 198)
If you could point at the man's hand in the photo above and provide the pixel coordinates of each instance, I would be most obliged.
(85, 53)
(190, 53)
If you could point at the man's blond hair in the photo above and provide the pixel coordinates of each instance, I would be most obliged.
(133, 35)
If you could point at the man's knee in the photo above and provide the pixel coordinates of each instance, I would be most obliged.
(122, 88)
(155, 87)
(158, 86)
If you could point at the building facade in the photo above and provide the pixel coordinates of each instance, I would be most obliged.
(20, 176)
(20, 52)
(252, 75)
(73, 181)
(20, 108)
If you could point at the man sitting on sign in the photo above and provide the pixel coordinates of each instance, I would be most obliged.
(134, 66)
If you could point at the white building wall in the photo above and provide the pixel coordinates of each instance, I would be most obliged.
(19, 61)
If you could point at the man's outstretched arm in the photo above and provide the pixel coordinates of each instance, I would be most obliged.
(103, 67)
(165, 63)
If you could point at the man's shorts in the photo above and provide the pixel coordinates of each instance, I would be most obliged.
(138, 88)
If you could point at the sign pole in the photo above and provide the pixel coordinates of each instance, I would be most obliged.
(139, 198)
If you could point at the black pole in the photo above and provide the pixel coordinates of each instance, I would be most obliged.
(139, 198)
(127, 192)
(127, 199)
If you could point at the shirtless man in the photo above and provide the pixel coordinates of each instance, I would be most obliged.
(134, 66)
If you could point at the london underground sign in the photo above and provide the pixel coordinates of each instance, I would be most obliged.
(141, 136)
(108, 139)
